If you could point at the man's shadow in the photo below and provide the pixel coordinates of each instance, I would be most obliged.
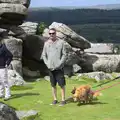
(94, 102)
(23, 94)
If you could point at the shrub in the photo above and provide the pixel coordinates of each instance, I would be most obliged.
(40, 28)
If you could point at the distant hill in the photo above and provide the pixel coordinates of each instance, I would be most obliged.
(106, 6)
(99, 23)
(73, 16)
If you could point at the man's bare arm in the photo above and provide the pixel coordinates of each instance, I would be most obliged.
(44, 55)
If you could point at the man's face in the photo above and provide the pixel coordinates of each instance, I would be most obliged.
(52, 34)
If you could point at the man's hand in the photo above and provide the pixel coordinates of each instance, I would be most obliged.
(6, 66)
(59, 66)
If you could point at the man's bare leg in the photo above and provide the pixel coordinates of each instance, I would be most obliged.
(54, 93)
(63, 93)
(63, 102)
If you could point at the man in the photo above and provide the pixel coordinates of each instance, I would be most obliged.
(54, 56)
(5, 59)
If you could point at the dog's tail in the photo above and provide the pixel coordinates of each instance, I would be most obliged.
(96, 94)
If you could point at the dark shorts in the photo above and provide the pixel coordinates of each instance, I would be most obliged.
(57, 76)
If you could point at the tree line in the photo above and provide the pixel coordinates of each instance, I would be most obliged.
(74, 16)
(96, 25)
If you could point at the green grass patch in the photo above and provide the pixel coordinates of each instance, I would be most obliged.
(39, 97)
(26, 87)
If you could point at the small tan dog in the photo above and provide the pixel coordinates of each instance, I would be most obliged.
(84, 94)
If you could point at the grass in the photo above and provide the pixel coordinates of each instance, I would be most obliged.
(37, 96)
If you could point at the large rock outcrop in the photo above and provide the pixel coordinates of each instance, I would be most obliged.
(23, 2)
(98, 76)
(7, 112)
(32, 49)
(14, 45)
(33, 46)
(14, 79)
(65, 33)
(30, 28)
(100, 48)
(98, 62)
(13, 12)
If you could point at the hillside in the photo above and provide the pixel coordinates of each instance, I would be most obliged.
(74, 16)
(106, 7)
(90, 21)
(106, 33)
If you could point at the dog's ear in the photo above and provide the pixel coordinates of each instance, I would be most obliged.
(73, 90)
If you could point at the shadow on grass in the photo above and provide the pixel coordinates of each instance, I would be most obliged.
(25, 87)
(92, 103)
(23, 94)
(8, 105)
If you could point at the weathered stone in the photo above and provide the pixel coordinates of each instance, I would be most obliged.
(11, 21)
(76, 68)
(98, 62)
(100, 48)
(14, 45)
(30, 73)
(34, 65)
(2, 30)
(72, 57)
(17, 66)
(47, 78)
(12, 14)
(98, 76)
(12, 8)
(29, 28)
(68, 70)
(15, 31)
(32, 46)
(25, 114)
(65, 33)
(14, 78)
(7, 112)
(23, 2)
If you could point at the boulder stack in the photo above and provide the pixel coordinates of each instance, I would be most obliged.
(13, 12)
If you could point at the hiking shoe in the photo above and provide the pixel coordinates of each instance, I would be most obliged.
(6, 98)
(62, 103)
(54, 102)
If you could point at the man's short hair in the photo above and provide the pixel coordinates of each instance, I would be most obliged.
(53, 29)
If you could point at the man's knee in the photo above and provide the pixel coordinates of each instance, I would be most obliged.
(62, 83)
(62, 86)
(53, 85)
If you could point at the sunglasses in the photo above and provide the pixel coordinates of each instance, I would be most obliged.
(52, 33)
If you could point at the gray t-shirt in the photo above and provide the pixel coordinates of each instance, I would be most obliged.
(54, 54)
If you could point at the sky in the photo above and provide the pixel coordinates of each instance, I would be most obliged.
(56, 3)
